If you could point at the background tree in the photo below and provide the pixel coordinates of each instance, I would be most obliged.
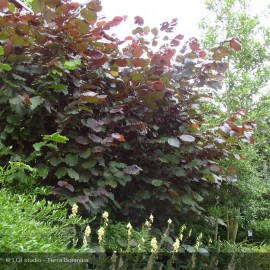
(246, 87)
(248, 72)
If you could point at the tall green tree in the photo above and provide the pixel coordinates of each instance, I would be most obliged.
(249, 71)
(245, 88)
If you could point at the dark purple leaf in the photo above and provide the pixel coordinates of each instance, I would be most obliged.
(187, 138)
(56, 191)
(82, 140)
(66, 185)
(139, 20)
(62, 183)
(93, 124)
(98, 149)
(95, 138)
(82, 199)
(133, 169)
(120, 110)
(70, 187)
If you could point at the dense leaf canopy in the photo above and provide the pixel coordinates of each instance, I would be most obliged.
(108, 121)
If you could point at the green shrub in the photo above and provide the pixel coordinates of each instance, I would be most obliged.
(242, 256)
(31, 225)
(28, 224)
(261, 230)
(40, 229)
(19, 176)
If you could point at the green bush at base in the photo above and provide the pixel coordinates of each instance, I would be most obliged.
(27, 224)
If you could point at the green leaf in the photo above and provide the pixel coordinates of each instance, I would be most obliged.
(154, 31)
(119, 165)
(86, 153)
(17, 106)
(13, 119)
(17, 39)
(43, 171)
(221, 222)
(152, 98)
(9, 129)
(11, 7)
(52, 146)
(71, 159)
(6, 67)
(1, 50)
(72, 65)
(89, 164)
(58, 86)
(73, 174)
(136, 76)
(38, 6)
(3, 36)
(187, 200)
(156, 182)
(198, 197)
(203, 251)
(123, 179)
(88, 14)
(163, 160)
(35, 102)
(11, 84)
(17, 77)
(82, 26)
(172, 158)
(28, 89)
(55, 161)
(111, 182)
(122, 242)
(39, 145)
(138, 30)
(174, 142)
(110, 179)
(190, 249)
(5, 151)
(55, 137)
(179, 172)
(61, 172)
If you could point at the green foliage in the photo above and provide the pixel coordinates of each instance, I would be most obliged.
(245, 198)
(261, 116)
(31, 225)
(261, 230)
(240, 256)
(27, 2)
(17, 175)
(34, 229)
(102, 122)
(248, 71)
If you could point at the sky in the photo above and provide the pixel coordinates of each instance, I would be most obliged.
(154, 12)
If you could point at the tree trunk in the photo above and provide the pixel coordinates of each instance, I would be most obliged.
(232, 230)
(216, 232)
(228, 224)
